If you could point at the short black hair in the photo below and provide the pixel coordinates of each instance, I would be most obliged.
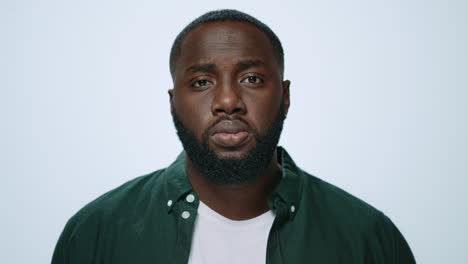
(226, 15)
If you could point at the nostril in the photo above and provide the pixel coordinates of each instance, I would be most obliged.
(237, 110)
(218, 110)
(229, 110)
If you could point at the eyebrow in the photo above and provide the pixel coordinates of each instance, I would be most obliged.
(249, 63)
(201, 67)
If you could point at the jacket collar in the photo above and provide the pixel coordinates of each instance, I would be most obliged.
(286, 195)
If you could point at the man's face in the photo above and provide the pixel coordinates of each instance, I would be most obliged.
(228, 90)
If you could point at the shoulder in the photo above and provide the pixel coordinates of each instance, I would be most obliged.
(118, 206)
(342, 211)
(112, 213)
(344, 216)
(126, 196)
(330, 198)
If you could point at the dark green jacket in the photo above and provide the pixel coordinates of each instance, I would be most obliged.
(141, 222)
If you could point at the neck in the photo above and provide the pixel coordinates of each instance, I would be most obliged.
(236, 202)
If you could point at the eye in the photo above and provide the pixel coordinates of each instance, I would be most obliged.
(252, 80)
(201, 83)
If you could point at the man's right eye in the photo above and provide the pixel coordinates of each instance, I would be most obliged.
(201, 83)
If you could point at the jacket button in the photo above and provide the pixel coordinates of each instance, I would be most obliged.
(169, 203)
(185, 214)
(190, 198)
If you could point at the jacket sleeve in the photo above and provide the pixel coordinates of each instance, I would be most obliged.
(77, 243)
(60, 255)
(393, 246)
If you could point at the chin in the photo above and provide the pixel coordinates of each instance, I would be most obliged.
(231, 155)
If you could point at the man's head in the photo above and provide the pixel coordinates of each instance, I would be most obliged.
(229, 99)
(226, 15)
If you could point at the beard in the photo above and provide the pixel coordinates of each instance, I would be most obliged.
(231, 171)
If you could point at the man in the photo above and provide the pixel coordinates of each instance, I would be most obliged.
(232, 196)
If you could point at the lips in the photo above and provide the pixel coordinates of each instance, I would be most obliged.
(230, 133)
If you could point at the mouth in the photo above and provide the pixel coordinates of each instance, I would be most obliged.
(230, 134)
(230, 140)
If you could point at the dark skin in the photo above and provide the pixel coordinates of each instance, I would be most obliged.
(229, 68)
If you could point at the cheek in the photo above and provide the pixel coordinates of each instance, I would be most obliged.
(263, 108)
(194, 110)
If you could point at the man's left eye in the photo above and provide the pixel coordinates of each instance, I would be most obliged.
(252, 79)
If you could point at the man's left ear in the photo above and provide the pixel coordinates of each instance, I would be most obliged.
(286, 97)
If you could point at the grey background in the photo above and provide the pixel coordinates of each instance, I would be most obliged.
(378, 92)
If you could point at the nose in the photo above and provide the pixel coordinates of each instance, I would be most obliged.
(228, 100)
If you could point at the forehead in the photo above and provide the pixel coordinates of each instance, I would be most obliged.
(225, 42)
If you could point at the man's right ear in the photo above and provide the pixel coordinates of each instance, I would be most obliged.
(170, 92)
(171, 95)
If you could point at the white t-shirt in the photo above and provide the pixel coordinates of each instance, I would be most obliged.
(217, 239)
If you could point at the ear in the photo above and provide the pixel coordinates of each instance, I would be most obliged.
(171, 96)
(286, 97)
